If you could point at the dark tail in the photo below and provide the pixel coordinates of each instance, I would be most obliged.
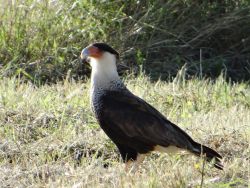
(209, 153)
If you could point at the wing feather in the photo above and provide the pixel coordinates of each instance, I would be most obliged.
(137, 119)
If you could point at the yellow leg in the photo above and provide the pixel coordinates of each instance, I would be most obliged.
(132, 166)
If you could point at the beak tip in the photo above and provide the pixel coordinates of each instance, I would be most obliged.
(84, 55)
(85, 52)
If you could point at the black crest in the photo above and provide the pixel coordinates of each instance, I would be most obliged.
(104, 47)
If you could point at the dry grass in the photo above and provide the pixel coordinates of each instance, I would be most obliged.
(49, 138)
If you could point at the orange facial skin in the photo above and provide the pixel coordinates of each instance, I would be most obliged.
(91, 51)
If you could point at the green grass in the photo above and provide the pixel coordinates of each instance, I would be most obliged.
(42, 40)
(43, 128)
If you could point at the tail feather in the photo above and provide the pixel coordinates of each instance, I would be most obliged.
(209, 153)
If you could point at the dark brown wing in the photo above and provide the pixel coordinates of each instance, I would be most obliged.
(136, 126)
(133, 118)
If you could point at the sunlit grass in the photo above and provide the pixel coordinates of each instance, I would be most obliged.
(50, 138)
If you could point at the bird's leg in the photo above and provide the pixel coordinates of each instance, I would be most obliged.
(132, 166)
(128, 165)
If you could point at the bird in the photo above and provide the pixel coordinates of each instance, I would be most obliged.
(134, 126)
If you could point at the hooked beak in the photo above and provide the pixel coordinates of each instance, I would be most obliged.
(84, 55)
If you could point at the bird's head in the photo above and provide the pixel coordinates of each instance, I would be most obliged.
(100, 56)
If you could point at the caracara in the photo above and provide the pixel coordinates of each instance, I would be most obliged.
(135, 127)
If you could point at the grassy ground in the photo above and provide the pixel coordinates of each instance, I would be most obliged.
(49, 138)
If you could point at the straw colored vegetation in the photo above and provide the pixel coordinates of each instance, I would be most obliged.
(49, 137)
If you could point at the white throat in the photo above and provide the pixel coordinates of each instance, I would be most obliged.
(104, 71)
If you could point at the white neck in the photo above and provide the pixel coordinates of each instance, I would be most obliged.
(104, 71)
